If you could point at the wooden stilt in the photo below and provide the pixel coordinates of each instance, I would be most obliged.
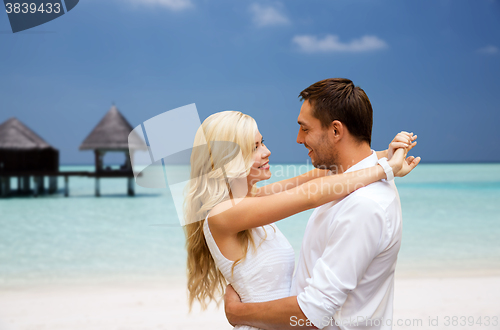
(25, 184)
(42, 184)
(36, 184)
(3, 184)
(131, 186)
(39, 185)
(52, 184)
(7, 186)
(66, 186)
(97, 187)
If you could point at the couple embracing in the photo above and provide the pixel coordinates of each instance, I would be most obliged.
(345, 274)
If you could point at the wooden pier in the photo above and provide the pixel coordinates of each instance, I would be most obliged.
(24, 180)
(26, 156)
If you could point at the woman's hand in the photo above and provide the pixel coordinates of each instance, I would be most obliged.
(402, 140)
(402, 165)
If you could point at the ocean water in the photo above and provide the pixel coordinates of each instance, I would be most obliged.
(451, 225)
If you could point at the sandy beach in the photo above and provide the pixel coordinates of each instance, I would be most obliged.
(420, 303)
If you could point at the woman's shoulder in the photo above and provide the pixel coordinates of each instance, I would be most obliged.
(218, 214)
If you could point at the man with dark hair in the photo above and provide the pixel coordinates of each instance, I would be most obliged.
(338, 105)
(345, 275)
(338, 99)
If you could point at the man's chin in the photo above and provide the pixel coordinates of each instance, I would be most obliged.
(321, 165)
(314, 161)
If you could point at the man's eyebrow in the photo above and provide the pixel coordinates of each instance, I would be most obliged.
(301, 123)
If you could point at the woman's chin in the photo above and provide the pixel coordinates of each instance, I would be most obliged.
(265, 176)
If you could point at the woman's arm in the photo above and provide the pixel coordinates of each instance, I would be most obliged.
(402, 140)
(229, 219)
(251, 212)
(286, 184)
(382, 154)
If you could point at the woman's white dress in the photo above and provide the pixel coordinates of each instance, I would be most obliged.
(265, 274)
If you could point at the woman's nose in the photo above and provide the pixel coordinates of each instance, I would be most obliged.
(266, 153)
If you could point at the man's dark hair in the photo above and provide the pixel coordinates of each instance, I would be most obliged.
(338, 99)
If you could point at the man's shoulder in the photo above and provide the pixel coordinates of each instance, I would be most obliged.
(380, 193)
(376, 198)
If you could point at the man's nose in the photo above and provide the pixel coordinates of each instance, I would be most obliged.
(299, 138)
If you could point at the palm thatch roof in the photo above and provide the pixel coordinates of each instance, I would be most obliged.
(14, 135)
(112, 133)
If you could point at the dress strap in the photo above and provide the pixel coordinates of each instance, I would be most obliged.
(212, 246)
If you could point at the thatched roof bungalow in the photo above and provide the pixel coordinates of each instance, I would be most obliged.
(112, 134)
(21, 149)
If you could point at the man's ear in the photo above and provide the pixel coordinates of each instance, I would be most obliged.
(338, 129)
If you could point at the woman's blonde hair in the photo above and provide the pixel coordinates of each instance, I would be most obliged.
(219, 139)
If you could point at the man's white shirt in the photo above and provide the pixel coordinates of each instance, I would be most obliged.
(345, 275)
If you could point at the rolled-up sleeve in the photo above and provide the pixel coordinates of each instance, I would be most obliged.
(355, 238)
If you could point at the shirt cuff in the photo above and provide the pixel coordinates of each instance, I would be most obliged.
(313, 305)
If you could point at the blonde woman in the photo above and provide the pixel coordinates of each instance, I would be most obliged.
(230, 233)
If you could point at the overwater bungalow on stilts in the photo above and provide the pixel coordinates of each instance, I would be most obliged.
(25, 155)
(112, 135)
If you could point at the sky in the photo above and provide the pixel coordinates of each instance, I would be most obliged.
(431, 67)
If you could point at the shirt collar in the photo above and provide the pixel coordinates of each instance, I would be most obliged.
(369, 161)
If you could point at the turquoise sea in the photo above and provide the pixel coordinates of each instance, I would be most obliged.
(451, 225)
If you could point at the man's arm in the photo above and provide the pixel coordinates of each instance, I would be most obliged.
(354, 239)
(270, 315)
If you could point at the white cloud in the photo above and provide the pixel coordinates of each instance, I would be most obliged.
(176, 5)
(332, 44)
(489, 50)
(267, 15)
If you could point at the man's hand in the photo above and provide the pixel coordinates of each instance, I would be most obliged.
(231, 301)
(271, 315)
(402, 140)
